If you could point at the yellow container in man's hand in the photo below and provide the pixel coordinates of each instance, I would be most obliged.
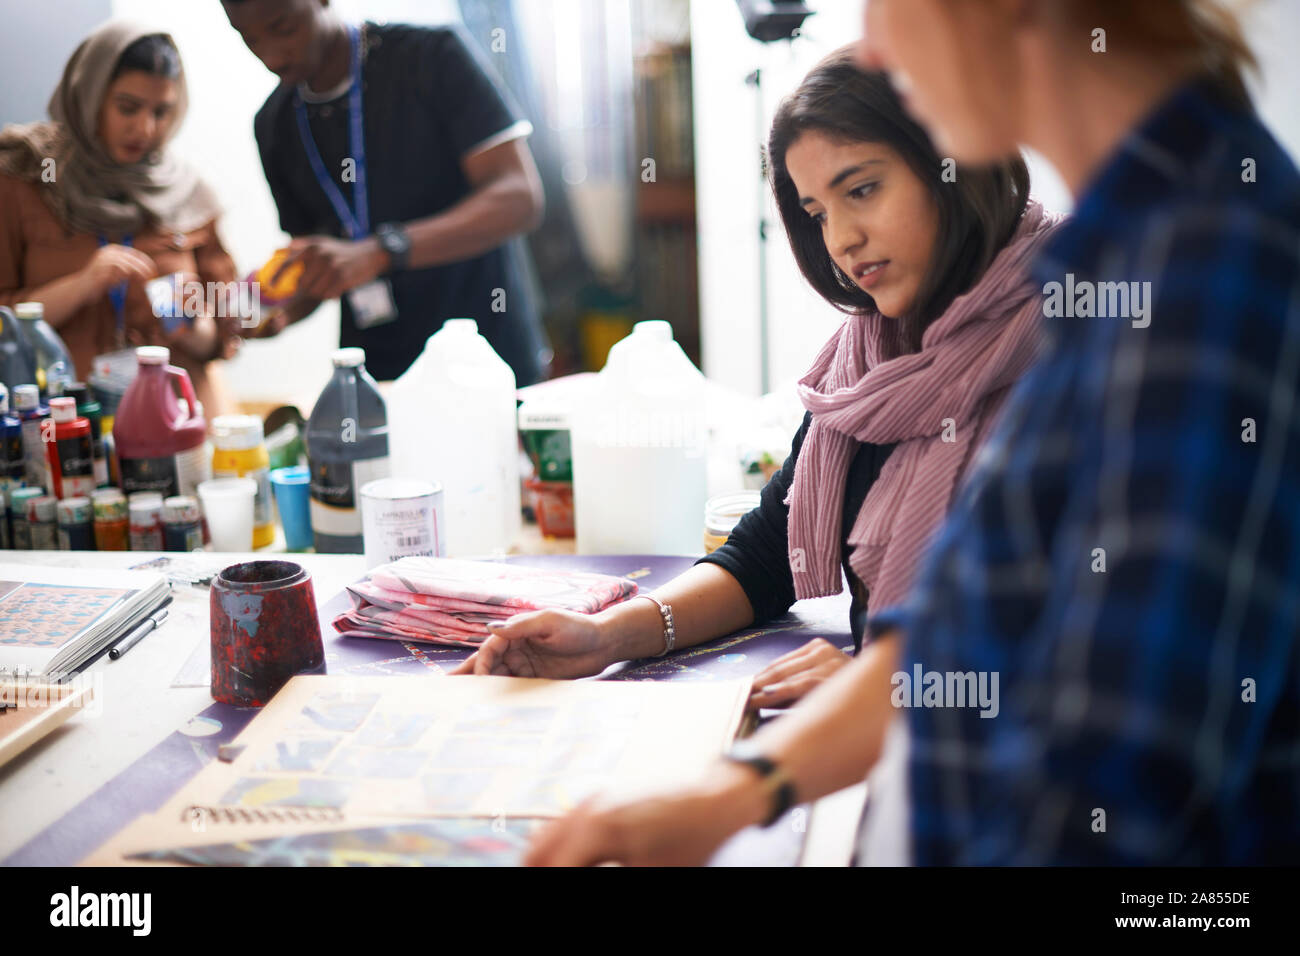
(275, 294)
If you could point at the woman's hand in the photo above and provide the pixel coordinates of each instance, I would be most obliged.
(675, 828)
(554, 644)
(114, 264)
(793, 675)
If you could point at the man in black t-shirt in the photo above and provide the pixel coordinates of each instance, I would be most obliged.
(405, 193)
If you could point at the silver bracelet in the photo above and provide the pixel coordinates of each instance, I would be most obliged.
(665, 612)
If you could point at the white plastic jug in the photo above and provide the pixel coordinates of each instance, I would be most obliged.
(451, 421)
(639, 463)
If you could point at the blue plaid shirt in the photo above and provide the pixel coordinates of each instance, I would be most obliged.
(1126, 553)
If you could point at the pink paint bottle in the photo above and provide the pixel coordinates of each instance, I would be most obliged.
(161, 443)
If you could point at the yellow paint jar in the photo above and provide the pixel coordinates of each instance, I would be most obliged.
(723, 513)
(239, 451)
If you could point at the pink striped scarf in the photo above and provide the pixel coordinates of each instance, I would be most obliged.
(936, 404)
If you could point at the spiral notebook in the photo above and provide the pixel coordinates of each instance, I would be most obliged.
(158, 840)
(341, 755)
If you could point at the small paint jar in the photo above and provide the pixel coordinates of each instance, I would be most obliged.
(146, 519)
(76, 527)
(21, 528)
(182, 524)
(42, 517)
(239, 451)
(112, 528)
(264, 630)
(723, 513)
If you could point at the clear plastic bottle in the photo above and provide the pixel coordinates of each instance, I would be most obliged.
(347, 447)
(17, 360)
(53, 362)
(453, 424)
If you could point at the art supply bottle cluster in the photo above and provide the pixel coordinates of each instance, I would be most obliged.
(70, 483)
(130, 461)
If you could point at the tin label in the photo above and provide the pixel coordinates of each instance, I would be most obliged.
(396, 528)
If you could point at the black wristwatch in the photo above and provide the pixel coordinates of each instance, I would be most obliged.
(394, 241)
(778, 785)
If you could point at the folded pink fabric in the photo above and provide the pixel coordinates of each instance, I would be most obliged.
(446, 601)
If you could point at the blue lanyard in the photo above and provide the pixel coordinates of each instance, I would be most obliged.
(117, 294)
(356, 225)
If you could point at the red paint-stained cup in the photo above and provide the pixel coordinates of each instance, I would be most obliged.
(264, 631)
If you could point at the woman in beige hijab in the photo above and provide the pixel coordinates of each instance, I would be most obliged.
(92, 206)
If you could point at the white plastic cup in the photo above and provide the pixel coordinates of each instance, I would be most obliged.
(228, 510)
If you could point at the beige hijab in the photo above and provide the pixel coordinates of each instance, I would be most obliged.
(89, 191)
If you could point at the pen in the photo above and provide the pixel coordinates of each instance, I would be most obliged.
(128, 642)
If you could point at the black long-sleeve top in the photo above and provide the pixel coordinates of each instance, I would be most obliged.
(757, 552)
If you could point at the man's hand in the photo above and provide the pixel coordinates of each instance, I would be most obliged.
(332, 267)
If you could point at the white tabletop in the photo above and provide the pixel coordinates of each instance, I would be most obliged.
(136, 708)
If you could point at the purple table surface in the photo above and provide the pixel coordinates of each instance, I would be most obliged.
(146, 784)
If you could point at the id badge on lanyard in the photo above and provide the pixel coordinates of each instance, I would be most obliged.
(372, 304)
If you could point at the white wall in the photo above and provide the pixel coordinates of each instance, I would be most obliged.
(727, 141)
(34, 46)
(728, 187)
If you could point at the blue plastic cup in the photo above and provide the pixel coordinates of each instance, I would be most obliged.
(293, 500)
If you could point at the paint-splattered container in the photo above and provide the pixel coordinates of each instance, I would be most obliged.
(264, 631)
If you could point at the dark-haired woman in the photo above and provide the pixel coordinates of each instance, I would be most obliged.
(1124, 553)
(92, 206)
(927, 262)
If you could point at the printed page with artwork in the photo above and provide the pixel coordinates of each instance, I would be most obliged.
(54, 620)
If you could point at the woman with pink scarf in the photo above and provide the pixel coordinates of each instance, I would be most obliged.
(927, 260)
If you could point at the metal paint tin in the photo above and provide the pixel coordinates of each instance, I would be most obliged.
(401, 517)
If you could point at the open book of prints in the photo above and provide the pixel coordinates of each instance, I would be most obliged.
(339, 767)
